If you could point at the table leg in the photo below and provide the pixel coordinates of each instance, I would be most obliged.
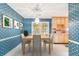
(23, 48)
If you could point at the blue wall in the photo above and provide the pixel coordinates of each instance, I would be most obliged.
(73, 29)
(7, 45)
(28, 22)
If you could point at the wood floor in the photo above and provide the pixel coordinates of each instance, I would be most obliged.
(58, 50)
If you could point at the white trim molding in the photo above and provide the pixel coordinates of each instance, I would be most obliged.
(9, 38)
(75, 42)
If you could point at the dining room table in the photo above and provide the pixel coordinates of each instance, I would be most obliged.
(35, 42)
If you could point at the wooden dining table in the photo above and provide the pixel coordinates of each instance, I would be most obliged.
(43, 37)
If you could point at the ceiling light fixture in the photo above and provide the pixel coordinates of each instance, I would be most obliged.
(36, 11)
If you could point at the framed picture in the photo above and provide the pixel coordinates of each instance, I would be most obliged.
(7, 22)
(16, 24)
(21, 26)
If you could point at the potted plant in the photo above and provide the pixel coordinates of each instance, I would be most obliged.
(25, 33)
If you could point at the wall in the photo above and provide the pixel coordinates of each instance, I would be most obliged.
(9, 38)
(74, 29)
(28, 22)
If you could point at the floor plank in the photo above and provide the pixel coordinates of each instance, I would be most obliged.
(58, 50)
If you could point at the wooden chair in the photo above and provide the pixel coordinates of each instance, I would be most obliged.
(36, 45)
(25, 41)
(49, 41)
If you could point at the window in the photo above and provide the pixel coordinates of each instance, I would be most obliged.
(40, 28)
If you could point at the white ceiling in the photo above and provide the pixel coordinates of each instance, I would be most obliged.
(48, 9)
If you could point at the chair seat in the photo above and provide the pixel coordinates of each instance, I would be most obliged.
(28, 41)
(47, 41)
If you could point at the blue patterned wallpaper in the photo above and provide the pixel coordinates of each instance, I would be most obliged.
(73, 28)
(7, 45)
(28, 22)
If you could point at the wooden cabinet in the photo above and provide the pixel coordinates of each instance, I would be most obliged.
(59, 28)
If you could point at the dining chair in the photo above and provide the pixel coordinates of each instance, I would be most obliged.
(25, 41)
(49, 41)
(37, 45)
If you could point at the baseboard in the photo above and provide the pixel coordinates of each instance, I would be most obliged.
(60, 43)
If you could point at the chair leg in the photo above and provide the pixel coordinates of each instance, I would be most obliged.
(33, 50)
(52, 45)
(23, 48)
(49, 48)
(45, 46)
(29, 47)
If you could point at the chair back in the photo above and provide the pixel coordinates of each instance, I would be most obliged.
(37, 44)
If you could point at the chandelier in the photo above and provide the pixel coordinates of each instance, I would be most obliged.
(37, 12)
